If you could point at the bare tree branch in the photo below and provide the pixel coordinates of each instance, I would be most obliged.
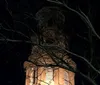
(10, 40)
(29, 28)
(80, 57)
(11, 30)
(82, 15)
(52, 55)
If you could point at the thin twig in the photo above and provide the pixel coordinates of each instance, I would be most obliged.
(29, 28)
(11, 30)
(82, 15)
(10, 40)
(80, 57)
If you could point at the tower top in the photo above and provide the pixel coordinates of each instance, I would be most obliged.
(50, 16)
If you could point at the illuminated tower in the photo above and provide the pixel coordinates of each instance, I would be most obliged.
(47, 59)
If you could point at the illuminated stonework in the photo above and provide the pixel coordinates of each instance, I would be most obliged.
(46, 66)
(48, 76)
(39, 71)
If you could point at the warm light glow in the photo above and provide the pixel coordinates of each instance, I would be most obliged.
(49, 76)
(47, 82)
(31, 77)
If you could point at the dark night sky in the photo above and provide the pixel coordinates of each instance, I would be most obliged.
(12, 55)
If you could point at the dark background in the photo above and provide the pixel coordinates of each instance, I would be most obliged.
(13, 54)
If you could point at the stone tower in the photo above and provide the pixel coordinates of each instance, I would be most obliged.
(47, 59)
